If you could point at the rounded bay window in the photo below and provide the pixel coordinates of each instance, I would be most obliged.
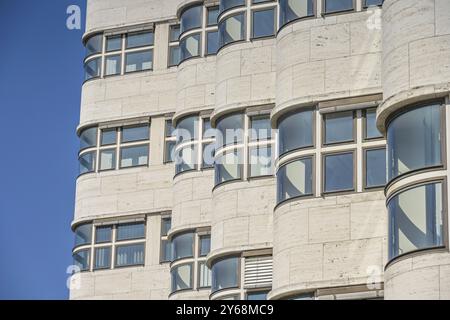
(225, 274)
(296, 131)
(293, 10)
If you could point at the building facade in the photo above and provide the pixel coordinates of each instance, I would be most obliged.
(260, 149)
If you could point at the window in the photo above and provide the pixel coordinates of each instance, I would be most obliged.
(181, 277)
(113, 65)
(371, 130)
(228, 167)
(230, 130)
(191, 18)
(142, 39)
(107, 160)
(371, 3)
(228, 4)
(83, 234)
(263, 23)
(258, 272)
(190, 47)
(414, 140)
(134, 156)
(332, 6)
(170, 142)
(205, 245)
(174, 45)
(291, 10)
(81, 259)
(213, 13)
(339, 172)
(139, 61)
(109, 137)
(92, 69)
(225, 274)
(88, 138)
(130, 231)
(94, 45)
(113, 43)
(338, 127)
(135, 133)
(212, 42)
(186, 159)
(295, 131)
(260, 128)
(295, 179)
(232, 29)
(415, 219)
(204, 277)
(261, 161)
(257, 295)
(182, 246)
(375, 165)
(103, 234)
(87, 162)
(102, 258)
(130, 255)
(187, 129)
(166, 249)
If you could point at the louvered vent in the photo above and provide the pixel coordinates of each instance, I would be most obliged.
(258, 272)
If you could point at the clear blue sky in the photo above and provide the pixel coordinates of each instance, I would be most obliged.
(40, 85)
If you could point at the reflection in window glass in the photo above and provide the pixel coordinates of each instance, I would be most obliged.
(191, 18)
(102, 258)
(137, 133)
(113, 65)
(88, 138)
(260, 128)
(139, 40)
(232, 29)
(339, 172)
(83, 234)
(375, 168)
(227, 4)
(181, 277)
(134, 156)
(190, 47)
(87, 162)
(213, 13)
(109, 136)
(208, 131)
(186, 159)
(212, 42)
(209, 151)
(174, 33)
(225, 274)
(107, 159)
(182, 246)
(294, 9)
(415, 219)
(414, 140)
(371, 125)
(113, 43)
(81, 259)
(295, 131)
(174, 55)
(294, 179)
(228, 167)
(338, 127)
(103, 234)
(139, 61)
(92, 69)
(204, 275)
(261, 161)
(187, 129)
(369, 3)
(263, 23)
(338, 5)
(130, 255)
(130, 231)
(230, 130)
(169, 155)
(94, 45)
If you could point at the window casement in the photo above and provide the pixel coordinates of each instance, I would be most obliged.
(170, 141)
(334, 6)
(339, 127)
(166, 247)
(339, 172)
(374, 168)
(188, 268)
(372, 3)
(292, 10)
(174, 45)
(109, 246)
(295, 179)
(296, 131)
(104, 149)
(370, 125)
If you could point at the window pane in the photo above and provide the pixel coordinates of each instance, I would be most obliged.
(166, 224)
(102, 259)
(339, 172)
(261, 161)
(213, 13)
(368, 3)
(232, 29)
(209, 151)
(191, 18)
(92, 69)
(212, 42)
(169, 155)
(414, 140)
(113, 65)
(107, 160)
(415, 219)
(139, 61)
(174, 55)
(87, 162)
(230, 130)
(182, 246)
(205, 245)
(190, 47)
(134, 156)
(187, 129)
(114, 43)
(88, 138)
(138, 133)
(109, 137)
(181, 277)
(371, 125)
(259, 296)
(228, 167)
(338, 5)
(294, 179)
(225, 274)
(139, 40)
(83, 235)
(174, 33)
(204, 275)
(263, 23)
(130, 231)
(208, 131)
(94, 44)
(186, 159)
(294, 9)
(295, 131)
(103, 234)
(260, 128)
(227, 4)
(338, 127)
(169, 129)
(166, 252)
(130, 255)
(81, 259)
(375, 168)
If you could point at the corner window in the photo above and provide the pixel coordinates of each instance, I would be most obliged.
(295, 131)
(191, 18)
(81, 260)
(190, 47)
(232, 29)
(87, 162)
(339, 127)
(415, 219)
(182, 246)
(263, 23)
(295, 179)
(371, 130)
(291, 10)
(225, 274)
(332, 6)
(339, 172)
(83, 234)
(228, 167)
(94, 45)
(92, 69)
(375, 164)
(88, 138)
(181, 277)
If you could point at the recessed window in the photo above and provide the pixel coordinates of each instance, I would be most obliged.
(371, 130)
(181, 277)
(94, 45)
(225, 274)
(143, 39)
(88, 138)
(102, 258)
(186, 159)
(87, 162)
(107, 160)
(261, 161)
(109, 137)
(339, 127)
(339, 172)
(130, 231)
(415, 219)
(338, 5)
(134, 156)
(113, 43)
(212, 42)
(83, 234)
(113, 65)
(372, 3)
(213, 13)
(375, 168)
(81, 259)
(232, 29)
(182, 246)
(291, 10)
(260, 128)
(135, 133)
(228, 167)
(190, 47)
(295, 131)
(191, 18)
(92, 69)
(130, 255)
(139, 61)
(263, 23)
(103, 234)
(295, 179)
(228, 4)
(414, 140)
(230, 130)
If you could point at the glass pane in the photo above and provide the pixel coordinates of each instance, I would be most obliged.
(102, 259)
(166, 224)
(261, 161)
(88, 138)
(232, 29)
(130, 231)
(295, 9)
(205, 245)
(369, 3)
(227, 4)
(113, 65)
(187, 129)
(139, 61)
(181, 277)
(134, 156)
(169, 130)
(414, 140)
(186, 159)
(182, 246)
(166, 253)
(109, 137)
(107, 160)
(130, 255)
(113, 43)
(174, 55)
(87, 162)
(259, 296)
(191, 18)
(294, 179)
(302, 296)
(103, 234)
(339, 172)
(212, 42)
(338, 5)
(92, 68)
(83, 235)
(204, 275)
(213, 13)
(263, 23)
(228, 167)
(209, 151)
(190, 47)
(415, 219)
(208, 131)
(375, 168)
(371, 125)
(230, 130)
(295, 131)
(174, 33)
(81, 259)
(139, 40)
(338, 127)
(260, 128)
(169, 155)
(94, 45)
(138, 133)
(225, 274)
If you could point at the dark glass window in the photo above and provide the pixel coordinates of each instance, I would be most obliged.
(191, 18)
(139, 61)
(81, 259)
(103, 234)
(92, 69)
(87, 162)
(113, 43)
(130, 231)
(375, 168)
(134, 156)
(339, 127)
(94, 44)
(137, 133)
(102, 258)
(143, 39)
(291, 10)
(230, 130)
(190, 47)
(88, 138)
(83, 234)
(338, 5)
(183, 246)
(232, 29)
(181, 277)
(225, 274)
(295, 131)
(130, 255)
(295, 179)
(228, 4)
(212, 42)
(228, 167)
(371, 125)
(339, 172)
(263, 23)
(213, 13)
